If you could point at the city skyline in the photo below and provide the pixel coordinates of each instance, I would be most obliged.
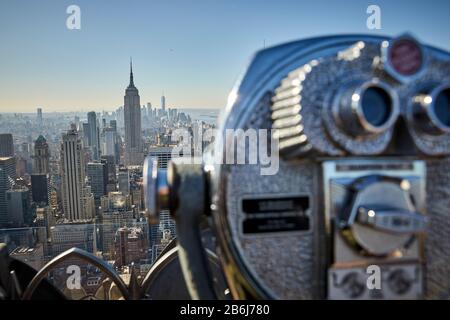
(75, 181)
(174, 44)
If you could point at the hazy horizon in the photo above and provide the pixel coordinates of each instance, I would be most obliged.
(110, 109)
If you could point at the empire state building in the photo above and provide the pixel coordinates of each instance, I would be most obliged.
(132, 117)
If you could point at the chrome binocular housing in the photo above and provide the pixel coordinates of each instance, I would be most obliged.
(362, 128)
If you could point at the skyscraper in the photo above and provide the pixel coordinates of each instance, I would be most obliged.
(72, 174)
(110, 164)
(109, 143)
(7, 176)
(6, 145)
(39, 116)
(113, 125)
(132, 118)
(163, 103)
(85, 127)
(18, 204)
(123, 179)
(97, 173)
(40, 188)
(93, 135)
(41, 156)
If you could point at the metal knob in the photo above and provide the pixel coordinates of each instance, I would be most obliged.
(380, 215)
(156, 189)
(392, 220)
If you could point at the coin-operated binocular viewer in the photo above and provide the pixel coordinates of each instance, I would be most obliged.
(359, 206)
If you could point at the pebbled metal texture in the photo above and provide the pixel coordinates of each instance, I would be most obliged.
(283, 262)
(437, 242)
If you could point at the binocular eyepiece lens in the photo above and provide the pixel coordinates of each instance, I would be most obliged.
(376, 106)
(442, 107)
(366, 108)
(432, 111)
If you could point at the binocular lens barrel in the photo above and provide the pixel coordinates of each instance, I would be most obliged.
(442, 107)
(376, 106)
(366, 108)
(432, 111)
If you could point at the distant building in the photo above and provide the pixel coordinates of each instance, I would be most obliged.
(113, 125)
(97, 173)
(158, 248)
(41, 156)
(72, 173)
(7, 177)
(197, 139)
(116, 212)
(93, 135)
(41, 188)
(39, 116)
(16, 237)
(162, 153)
(163, 103)
(65, 236)
(89, 207)
(44, 218)
(123, 179)
(6, 145)
(21, 166)
(19, 207)
(109, 146)
(132, 117)
(111, 167)
(86, 129)
(130, 245)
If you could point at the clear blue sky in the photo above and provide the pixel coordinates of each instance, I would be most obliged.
(193, 50)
